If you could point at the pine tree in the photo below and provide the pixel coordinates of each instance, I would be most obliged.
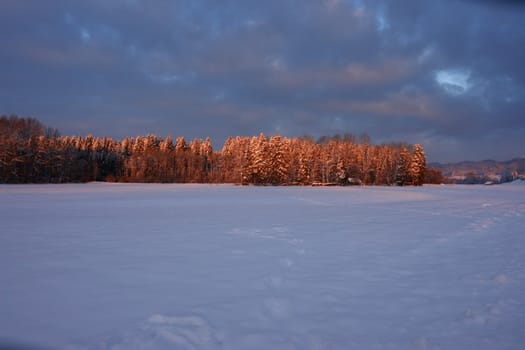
(260, 160)
(167, 146)
(247, 168)
(402, 167)
(418, 166)
(277, 163)
(306, 162)
(181, 159)
(227, 166)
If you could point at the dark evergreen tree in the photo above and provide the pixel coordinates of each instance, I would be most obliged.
(402, 176)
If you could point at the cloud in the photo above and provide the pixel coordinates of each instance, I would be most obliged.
(454, 81)
(421, 71)
(392, 70)
(499, 3)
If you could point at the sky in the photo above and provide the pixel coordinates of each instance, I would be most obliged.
(447, 74)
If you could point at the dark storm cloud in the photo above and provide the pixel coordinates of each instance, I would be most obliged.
(445, 74)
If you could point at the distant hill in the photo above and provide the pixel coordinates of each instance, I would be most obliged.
(482, 171)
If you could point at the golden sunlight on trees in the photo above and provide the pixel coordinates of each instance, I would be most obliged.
(30, 153)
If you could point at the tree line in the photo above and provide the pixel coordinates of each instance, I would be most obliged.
(32, 153)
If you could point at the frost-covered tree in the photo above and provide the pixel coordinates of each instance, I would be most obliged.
(278, 165)
(306, 161)
(31, 153)
(403, 162)
(418, 166)
(258, 169)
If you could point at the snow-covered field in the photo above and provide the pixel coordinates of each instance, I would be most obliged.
(128, 266)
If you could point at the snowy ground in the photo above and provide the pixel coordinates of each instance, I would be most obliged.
(122, 266)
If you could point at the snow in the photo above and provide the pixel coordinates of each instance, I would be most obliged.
(130, 266)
